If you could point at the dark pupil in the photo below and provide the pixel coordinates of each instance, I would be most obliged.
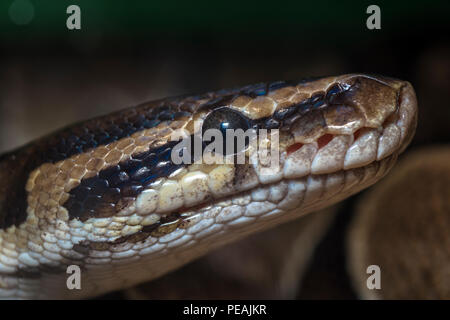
(223, 119)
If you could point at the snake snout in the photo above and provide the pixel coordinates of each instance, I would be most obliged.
(366, 119)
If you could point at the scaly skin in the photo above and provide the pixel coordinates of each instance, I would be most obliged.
(105, 196)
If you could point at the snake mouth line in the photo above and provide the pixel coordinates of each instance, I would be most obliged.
(319, 190)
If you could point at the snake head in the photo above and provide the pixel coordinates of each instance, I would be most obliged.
(107, 195)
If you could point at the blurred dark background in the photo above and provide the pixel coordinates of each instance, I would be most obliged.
(129, 52)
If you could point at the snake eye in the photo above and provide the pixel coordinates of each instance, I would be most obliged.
(225, 118)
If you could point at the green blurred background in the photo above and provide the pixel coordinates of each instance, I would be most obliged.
(128, 52)
(138, 20)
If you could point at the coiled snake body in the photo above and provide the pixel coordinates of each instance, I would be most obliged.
(105, 194)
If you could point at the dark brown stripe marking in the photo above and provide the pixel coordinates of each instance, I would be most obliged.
(104, 194)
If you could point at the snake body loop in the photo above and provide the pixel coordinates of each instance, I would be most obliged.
(106, 195)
